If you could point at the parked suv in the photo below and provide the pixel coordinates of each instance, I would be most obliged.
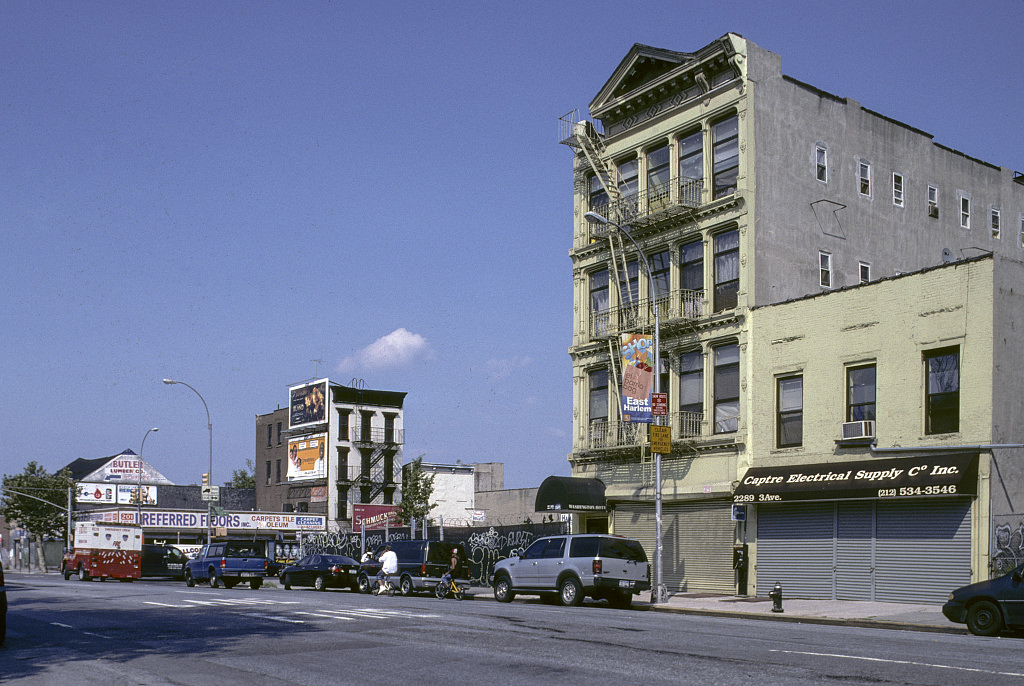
(569, 567)
(420, 565)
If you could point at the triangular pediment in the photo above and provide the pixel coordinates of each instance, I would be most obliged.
(124, 467)
(641, 66)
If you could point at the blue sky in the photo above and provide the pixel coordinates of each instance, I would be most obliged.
(222, 193)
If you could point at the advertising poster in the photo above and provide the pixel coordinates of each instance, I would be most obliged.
(366, 517)
(637, 377)
(96, 493)
(307, 404)
(306, 457)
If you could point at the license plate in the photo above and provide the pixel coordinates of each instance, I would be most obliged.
(624, 583)
(248, 574)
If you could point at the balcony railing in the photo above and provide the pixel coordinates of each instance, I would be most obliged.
(679, 305)
(376, 434)
(616, 434)
(648, 204)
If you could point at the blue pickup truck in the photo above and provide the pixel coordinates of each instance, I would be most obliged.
(230, 563)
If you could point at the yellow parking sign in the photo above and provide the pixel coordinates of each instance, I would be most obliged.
(661, 439)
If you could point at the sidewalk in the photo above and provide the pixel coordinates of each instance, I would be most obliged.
(906, 616)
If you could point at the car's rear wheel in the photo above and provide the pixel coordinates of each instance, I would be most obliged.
(213, 578)
(83, 574)
(570, 592)
(286, 581)
(255, 584)
(405, 585)
(189, 581)
(320, 583)
(503, 590)
(984, 619)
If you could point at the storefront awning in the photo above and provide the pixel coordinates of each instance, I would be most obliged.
(572, 494)
(929, 475)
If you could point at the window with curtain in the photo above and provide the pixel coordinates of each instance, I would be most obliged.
(727, 388)
(725, 156)
(599, 302)
(691, 392)
(727, 269)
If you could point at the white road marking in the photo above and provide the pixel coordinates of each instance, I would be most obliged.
(900, 662)
(317, 614)
(274, 618)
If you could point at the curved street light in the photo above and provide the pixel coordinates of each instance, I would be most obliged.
(209, 424)
(138, 491)
(658, 592)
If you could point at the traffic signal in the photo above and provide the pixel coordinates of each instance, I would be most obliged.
(206, 478)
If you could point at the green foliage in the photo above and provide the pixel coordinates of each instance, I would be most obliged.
(417, 487)
(244, 478)
(37, 500)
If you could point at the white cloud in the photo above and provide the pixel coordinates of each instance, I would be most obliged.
(400, 347)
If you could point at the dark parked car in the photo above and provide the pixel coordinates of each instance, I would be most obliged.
(163, 560)
(3, 607)
(322, 572)
(421, 564)
(988, 607)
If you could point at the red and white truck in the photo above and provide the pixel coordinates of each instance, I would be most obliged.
(104, 551)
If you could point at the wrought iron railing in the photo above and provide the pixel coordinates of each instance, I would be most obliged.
(617, 434)
(680, 304)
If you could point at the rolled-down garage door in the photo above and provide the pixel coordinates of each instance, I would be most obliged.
(697, 547)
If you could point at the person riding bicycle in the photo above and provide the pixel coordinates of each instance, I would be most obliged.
(453, 567)
(388, 566)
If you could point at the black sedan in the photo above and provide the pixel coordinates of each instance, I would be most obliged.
(321, 572)
(988, 607)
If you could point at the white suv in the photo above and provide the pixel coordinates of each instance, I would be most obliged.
(567, 568)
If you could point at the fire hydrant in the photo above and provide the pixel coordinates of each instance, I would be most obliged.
(776, 595)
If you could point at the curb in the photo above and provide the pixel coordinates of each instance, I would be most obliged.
(804, 619)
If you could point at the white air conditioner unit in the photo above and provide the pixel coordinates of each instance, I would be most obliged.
(865, 429)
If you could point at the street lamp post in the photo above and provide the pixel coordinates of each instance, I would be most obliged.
(209, 424)
(658, 592)
(138, 490)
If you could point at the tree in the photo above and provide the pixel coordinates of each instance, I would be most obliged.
(244, 478)
(417, 487)
(37, 501)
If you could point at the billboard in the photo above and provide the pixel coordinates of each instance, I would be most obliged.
(637, 377)
(367, 517)
(307, 457)
(119, 493)
(307, 404)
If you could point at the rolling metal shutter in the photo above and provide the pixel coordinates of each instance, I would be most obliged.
(911, 551)
(697, 546)
(922, 549)
(795, 547)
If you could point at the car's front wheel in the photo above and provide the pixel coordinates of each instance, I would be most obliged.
(363, 583)
(320, 583)
(570, 592)
(405, 585)
(503, 590)
(984, 619)
(286, 581)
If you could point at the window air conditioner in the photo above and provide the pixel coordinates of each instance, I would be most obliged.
(933, 211)
(865, 429)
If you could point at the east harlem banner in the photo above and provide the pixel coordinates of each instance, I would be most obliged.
(637, 377)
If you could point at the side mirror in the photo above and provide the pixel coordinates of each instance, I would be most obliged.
(1016, 576)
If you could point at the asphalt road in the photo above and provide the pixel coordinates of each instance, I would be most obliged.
(160, 632)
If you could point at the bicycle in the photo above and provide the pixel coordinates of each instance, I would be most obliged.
(447, 585)
(386, 587)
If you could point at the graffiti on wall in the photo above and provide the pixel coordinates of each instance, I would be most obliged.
(484, 547)
(1008, 551)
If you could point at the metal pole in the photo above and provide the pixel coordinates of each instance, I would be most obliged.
(209, 425)
(138, 489)
(659, 594)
